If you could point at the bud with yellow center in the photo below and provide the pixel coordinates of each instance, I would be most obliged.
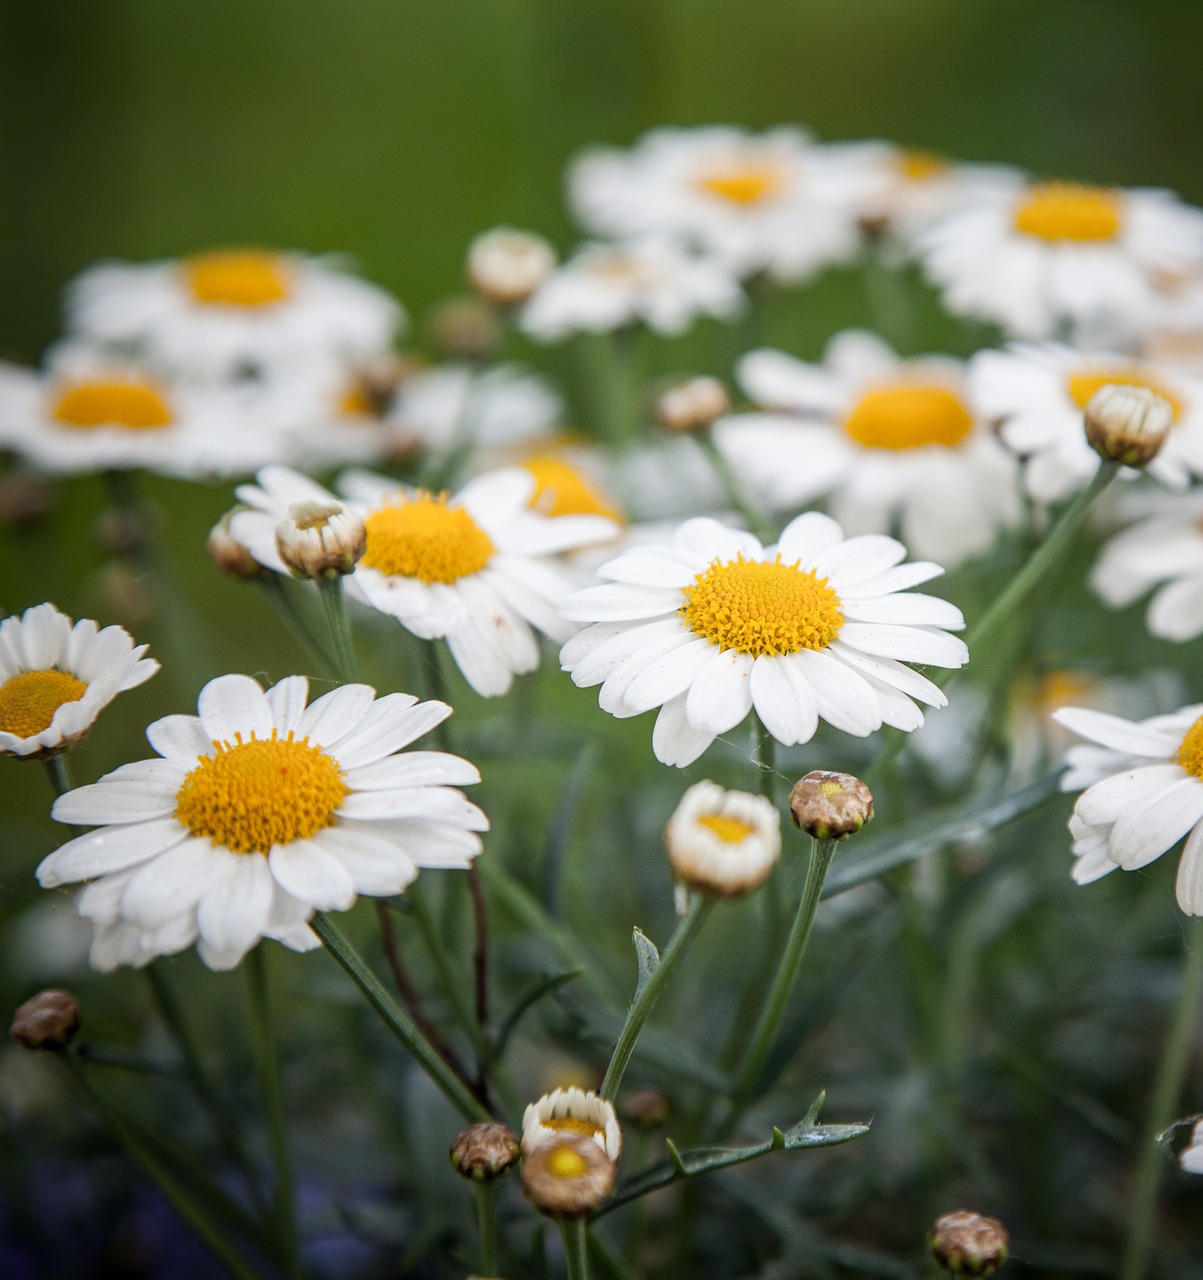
(968, 1244)
(47, 1021)
(321, 540)
(1128, 424)
(830, 806)
(722, 842)
(568, 1176)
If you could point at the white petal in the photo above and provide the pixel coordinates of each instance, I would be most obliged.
(171, 884)
(391, 722)
(233, 705)
(1116, 733)
(908, 644)
(415, 802)
(909, 610)
(808, 536)
(1108, 800)
(667, 676)
(843, 697)
(375, 864)
(602, 658)
(674, 740)
(1146, 830)
(103, 852)
(287, 700)
(179, 739)
(311, 875)
(858, 559)
(103, 803)
(620, 603)
(720, 696)
(336, 714)
(413, 769)
(786, 708)
(888, 671)
(234, 909)
(1190, 888)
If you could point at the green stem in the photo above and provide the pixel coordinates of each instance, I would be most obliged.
(734, 490)
(575, 1252)
(335, 605)
(397, 1020)
(1167, 1087)
(278, 595)
(486, 1216)
(263, 1034)
(56, 768)
(683, 936)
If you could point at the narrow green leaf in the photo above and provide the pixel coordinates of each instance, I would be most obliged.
(674, 1156)
(648, 958)
(778, 1142)
(559, 830)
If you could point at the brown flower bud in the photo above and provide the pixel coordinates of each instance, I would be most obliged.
(830, 806)
(483, 1152)
(968, 1244)
(321, 539)
(47, 1021)
(646, 1108)
(1128, 424)
(24, 500)
(227, 553)
(464, 329)
(692, 405)
(568, 1176)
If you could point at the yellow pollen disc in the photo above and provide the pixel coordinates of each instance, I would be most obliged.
(728, 830)
(762, 607)
(1083, 384)
(28, 701)
(1068, 211)
(238, 278)
(919, 166)
(572, 1124)
(909, 415)
(1063, 689)
(268, 791)
(561, 490)
(1190, 753)
(564, 1162)
(427, 539)
(742, 184)
(357, 404)
(137, 406)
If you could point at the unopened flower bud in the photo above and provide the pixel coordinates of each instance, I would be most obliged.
(830, 806)
(568, 1176)
(464, 329)
(722, 842)
(24, 500)
(646, 1108)
(1128, 424)
(321, 539)
(968, 1244)
(692, 405)
(227, 553)
(507, 266)
(47, 1021)
(484, 1152)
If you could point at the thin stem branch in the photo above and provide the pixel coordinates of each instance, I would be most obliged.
(278, 595)
(575, 1252)
(480, 953)
(486, 1217)
(56, 768)
(335, 605)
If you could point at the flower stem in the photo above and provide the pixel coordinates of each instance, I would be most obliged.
(735, 492)
(486, 1216)
(397, 1020)
(575, 1252)
(335, 605)
(277, 593)
(1167, 1087)
(60, 778)
(686, 931)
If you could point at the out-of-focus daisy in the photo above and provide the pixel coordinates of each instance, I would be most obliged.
(893, 442)
(716, 625)
(260, 811)
(723, 842)
(774, 202)
(1038, 395)
(56, 678)
(231, 312)
(506, 266)
(1054, 252)
(475, 569)
(572, 1110)
(1191, 1156)
(1143, 792)
(608, 286)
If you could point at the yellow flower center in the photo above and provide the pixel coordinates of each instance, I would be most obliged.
(1068, 211)
(728, 830)
(427, 539)
(1083, 384)
(28, 701)
(561, 490)
(909, 415)
(762, 607)
(237, 278)
(358, 403)
(135, 405)
(268, 791)
(572, 1124)
(566, 1162)
(1063, 689)
(919, 166)
(743, 184)
(1190, 753)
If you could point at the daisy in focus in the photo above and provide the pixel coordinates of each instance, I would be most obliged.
(56, 678)
(259, 811)
(1143, 792)
(895, 443)
(715, 625)
(1052, 253)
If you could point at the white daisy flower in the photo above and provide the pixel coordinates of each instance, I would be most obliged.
(474, 569)
(893, 442)
(1143, 792)
(1191, 1156)
(723, 842)
(716, 625)
(231, 312)
(572, 1110)
(1055, 252)
(608, 286)
(56, 678)
(1038, 394)
(260, 811)
(774, 202)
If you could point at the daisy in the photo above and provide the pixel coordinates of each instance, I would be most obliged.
(474, 569)
(1050, 253)
(1143, 792)
(56, 678)
(603, 287)
(260, 811)
(716, 625)
(572, 1111)
(775, 202)
(231, 312)
(893, 442)
(1038, 394)
(723, 842)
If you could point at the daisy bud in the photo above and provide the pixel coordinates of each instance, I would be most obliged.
(1128, 424)
(830, 806)
(692, 405)
(47, 1021)
(646, 1108)
(464, 329)
(724, 843)
(968, 1244)
(321, 539)
(484, 1152)
(568, 1176)
(227, 553)
(507, 266)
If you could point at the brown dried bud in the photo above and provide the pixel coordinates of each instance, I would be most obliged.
(968, 1244)
(830, 806)
(507, 266)
(484, 1152)
(319, 540)
(568, 1176)
(692, 405)
(47, 1021)
(1128, 424)
(227, 553)
(464, 329)
(24, 500)
(646, 1108)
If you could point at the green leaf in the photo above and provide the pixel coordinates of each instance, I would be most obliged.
(648, 958)
(559, 830)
